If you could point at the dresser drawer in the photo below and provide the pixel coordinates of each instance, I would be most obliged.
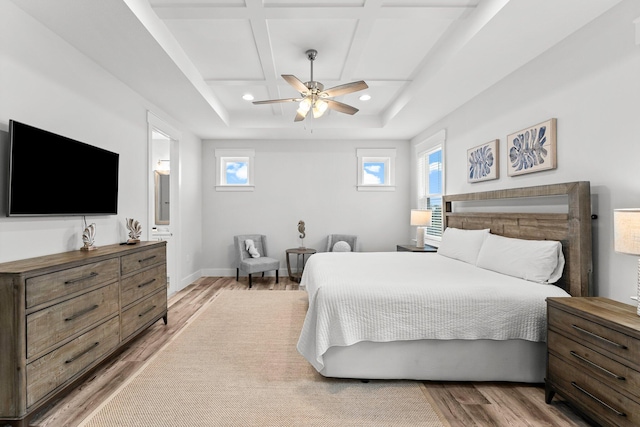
(48, 287)
(142, 284)
(593, 396)
(139, 260)
(46, 328)
(587, 331)
(52, 370)
(143, 312)
(595, 364)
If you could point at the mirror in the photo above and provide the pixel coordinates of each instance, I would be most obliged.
(162, 189)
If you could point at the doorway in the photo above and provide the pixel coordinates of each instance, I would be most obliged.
(163, 193)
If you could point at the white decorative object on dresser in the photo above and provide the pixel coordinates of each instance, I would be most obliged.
(62, 315)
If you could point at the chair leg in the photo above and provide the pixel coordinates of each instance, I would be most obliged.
(276, 276)
(249, 281)
(237, 274)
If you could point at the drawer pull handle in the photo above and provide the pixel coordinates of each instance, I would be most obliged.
(80, 279)
(81, 313)
(624, 347)
(612, 409)
(146, 311)
(142, 285)
(79, 355)
(147, 259)
(595, 365)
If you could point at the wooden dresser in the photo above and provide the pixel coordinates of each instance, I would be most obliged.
(62, 315)
(593, 358)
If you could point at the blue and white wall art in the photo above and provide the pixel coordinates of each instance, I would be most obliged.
(532, 149)
(482, 162)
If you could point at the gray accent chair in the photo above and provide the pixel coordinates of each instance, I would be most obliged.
(352, 240)
(250, 265)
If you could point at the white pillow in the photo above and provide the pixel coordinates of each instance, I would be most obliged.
(539, 261)
(463, 245)
(341, 246)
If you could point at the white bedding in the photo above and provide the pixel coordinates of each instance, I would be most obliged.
(395, 296)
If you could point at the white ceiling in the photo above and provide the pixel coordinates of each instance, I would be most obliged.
(422, 59)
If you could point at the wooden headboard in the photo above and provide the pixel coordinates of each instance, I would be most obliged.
(572, 229)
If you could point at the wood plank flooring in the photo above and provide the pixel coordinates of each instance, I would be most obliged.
(462, 404)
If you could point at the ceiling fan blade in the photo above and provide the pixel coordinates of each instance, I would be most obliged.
(273, 101)
(296, 83)
(340, 107)
(345, 88)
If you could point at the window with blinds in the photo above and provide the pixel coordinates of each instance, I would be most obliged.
(431, 187)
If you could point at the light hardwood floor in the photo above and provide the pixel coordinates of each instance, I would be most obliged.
(463, 404)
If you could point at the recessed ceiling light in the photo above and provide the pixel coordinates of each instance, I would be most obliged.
(247, 97)
(365, 97)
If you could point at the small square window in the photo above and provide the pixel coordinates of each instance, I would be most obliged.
(235, 170)
(376, 169)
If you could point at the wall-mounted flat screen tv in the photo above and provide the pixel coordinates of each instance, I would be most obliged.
(50, 174)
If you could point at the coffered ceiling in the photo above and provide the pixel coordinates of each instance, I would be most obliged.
(422, 59)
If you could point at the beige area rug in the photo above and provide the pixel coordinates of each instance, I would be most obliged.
(236, 364)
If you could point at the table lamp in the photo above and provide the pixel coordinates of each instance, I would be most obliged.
(626, 240)
(420, 218)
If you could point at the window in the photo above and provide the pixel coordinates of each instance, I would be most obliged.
(376, 169)
(235, 170)
(430, 186)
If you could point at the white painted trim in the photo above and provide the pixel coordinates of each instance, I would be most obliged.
(157, 122)
(229, 153)
(636, 22)
(386, 155)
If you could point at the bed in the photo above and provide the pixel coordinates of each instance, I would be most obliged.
(375, 316)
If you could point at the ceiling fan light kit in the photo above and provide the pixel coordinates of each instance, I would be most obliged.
(314, 97)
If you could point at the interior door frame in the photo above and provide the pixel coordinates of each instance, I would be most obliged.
(154, 123)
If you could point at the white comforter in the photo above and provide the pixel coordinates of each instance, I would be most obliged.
(391, 296)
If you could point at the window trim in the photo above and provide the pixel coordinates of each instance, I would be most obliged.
(422, 150)
(378, 155)
(226, 155)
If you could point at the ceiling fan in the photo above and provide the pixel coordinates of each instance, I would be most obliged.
(314, 97)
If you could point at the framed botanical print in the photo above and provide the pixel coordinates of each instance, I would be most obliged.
(532, 149)
(482, 162)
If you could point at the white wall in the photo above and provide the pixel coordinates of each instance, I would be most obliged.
(590, 82)
(47, 83)
(313, 181)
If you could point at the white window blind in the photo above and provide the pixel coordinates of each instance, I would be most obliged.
(431, 187)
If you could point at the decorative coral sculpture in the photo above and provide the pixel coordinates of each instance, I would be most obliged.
(89, 238)
(135, 230)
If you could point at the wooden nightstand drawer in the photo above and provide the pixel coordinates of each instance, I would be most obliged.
(592, 396)
(593, 358)
(48, 287)
(617, 375)
(46, 328)
(588, 331)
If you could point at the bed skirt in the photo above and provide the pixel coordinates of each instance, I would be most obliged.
(439, 360)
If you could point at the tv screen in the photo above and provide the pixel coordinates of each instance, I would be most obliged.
(50, 174)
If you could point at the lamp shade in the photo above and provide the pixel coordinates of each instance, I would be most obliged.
(626, 225)
(420, 217)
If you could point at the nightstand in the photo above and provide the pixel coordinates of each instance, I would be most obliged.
(412, 248)
(297, 275)
(593, 358)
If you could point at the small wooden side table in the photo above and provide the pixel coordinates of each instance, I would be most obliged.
(413, 248)
(297, 251)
